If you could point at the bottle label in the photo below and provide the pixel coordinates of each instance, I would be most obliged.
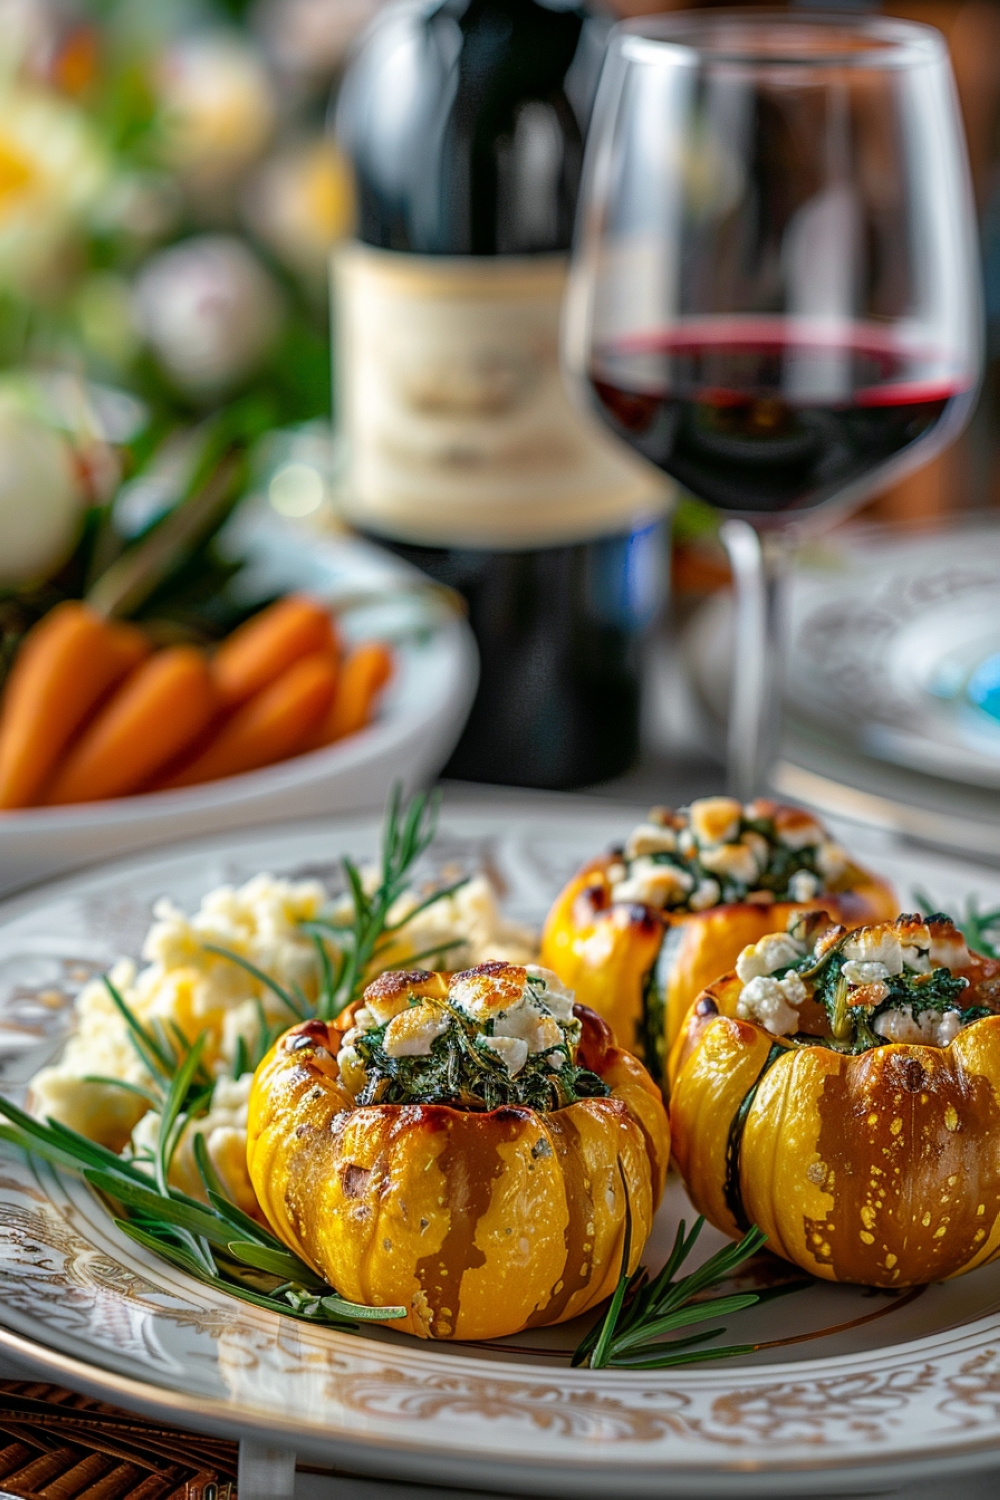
(458, 428)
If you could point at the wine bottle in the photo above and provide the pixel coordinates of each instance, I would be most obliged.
(463, 122)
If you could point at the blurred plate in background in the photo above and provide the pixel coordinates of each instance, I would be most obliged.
(376, 596)
(893, 685)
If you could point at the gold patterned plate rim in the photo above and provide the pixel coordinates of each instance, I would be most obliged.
(844, 1397)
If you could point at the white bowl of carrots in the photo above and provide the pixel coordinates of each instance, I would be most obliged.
(108, 744)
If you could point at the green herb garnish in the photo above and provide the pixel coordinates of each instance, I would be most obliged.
(632, 1333)
(462, 1070)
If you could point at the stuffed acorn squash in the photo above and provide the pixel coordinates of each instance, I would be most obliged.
(464, 1150)
(841, 1090)
(638, 933)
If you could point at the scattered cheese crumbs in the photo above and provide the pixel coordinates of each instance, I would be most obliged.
(803, 886)
(715, 820)
(737, 861)
(652, 884)
(775, 951)
(649, 838)
(772, 1003)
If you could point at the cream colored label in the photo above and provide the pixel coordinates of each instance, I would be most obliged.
(450, 397)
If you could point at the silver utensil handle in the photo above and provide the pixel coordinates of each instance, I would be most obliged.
(266, 1473)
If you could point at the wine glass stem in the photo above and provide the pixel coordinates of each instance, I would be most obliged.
(760, 565)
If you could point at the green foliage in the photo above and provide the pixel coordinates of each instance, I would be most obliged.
(643, 1311)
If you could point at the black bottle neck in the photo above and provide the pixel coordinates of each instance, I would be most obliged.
(464, 123)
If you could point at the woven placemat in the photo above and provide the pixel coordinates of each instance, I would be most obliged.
(56, 1445)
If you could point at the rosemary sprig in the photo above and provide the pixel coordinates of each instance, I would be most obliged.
(216, 1242)
(631, 1334)
(347, 954)
(408, 833)
(981, 929)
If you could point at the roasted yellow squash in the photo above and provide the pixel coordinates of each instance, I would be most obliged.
(841, 1090)
(464, 1150)
(638, 933)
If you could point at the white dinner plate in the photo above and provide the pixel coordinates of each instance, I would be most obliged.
(420, 717)
(849, 1389)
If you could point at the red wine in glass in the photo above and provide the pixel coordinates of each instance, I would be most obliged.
(775, 292)
(763, 416)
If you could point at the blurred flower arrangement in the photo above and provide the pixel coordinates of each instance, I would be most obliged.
(168, 198)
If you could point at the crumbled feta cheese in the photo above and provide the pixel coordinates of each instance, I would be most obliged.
(516, 1008)
(803, 886)
(653, 884)
(558, 999)
(649, 838)
(831, 860)
(414, 1030)
(732, 861)
(930, 1029)
(760, 847)
(949, 1025)
(715, 820)
(772, 1003)
(796, 829)
(489, 991)
(857, 972)
(705, 894)
(876, 945)
(775, 951)
(511, 1050)
(949, 950)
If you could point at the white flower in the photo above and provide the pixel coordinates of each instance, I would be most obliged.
(217, 105)
(40, 498)
(52, 172)
(300, 202)
(210, 311)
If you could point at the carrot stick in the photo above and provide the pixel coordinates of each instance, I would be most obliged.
(261, 649)
(272, 725)
(69, 661)
(363, 675)
(155, 715)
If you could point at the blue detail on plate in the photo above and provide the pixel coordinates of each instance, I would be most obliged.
(984, 686)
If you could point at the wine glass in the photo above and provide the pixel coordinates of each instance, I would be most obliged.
(775, 289)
